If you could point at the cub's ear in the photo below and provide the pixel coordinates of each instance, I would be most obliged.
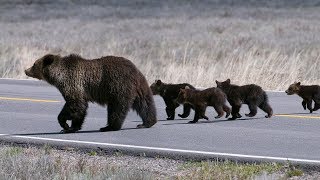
(228, 81)
(298, 83)
(187, 87)
(158, 82)
(48, 60)
(217, 82)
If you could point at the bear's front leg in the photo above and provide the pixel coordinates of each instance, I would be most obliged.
(304, 104)
(63, 117)
(186, 111)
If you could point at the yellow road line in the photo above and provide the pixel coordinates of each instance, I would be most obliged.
(297, 116)
(27, 99)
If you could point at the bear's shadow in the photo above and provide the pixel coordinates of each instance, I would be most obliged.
(57, 133)
(168, 120)
(216, 121)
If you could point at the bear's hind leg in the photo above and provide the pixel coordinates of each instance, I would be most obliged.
(219, 110)
(309, 105)
(316, 100)
(227, 110)
(144, 105)
(253, 109)
(117, 113)
(265, 106)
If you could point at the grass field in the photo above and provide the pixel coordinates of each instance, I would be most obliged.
(270, 43)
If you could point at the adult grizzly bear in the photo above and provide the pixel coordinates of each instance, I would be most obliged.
(169, 93)
(307, 93)
(250, 94)
(214, 97)
(112, 81)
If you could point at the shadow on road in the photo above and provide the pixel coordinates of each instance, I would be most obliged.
(78, 132)
(168, 120)
(217, 121)
(295, 113)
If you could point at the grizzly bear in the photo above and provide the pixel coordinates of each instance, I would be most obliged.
(169, 93)
(252, 95)
(200, 99)
(307, 93)
(112, 81)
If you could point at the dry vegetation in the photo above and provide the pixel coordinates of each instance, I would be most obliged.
(272, 44)
(48, 163)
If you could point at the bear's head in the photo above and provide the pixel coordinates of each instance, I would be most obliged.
(224, 86)
(293, 88)
(183, 95)
(156, 87)
(40, 66)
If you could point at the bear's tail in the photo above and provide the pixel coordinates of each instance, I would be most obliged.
(265, 106)
(145, 108)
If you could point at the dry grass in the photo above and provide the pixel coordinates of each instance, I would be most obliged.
(49, 163)
(176, 41)
(32, 163)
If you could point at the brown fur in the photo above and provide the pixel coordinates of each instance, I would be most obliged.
(251, 94)
(110, 80)
(169, 93)
(201, 99)
(307, 93)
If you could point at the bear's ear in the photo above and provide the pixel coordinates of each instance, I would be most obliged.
(217, 82)
(158, 82)
(48, 60)
(228, 81)
(298, 83)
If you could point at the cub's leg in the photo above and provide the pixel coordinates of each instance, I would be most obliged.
(235, 110)
(219, 110)
(227, 110)
(316, 100)
(199, 113)
(304, 104)
(309, 105)
(265, 106)
(252, 108)
(170, 109)
(186, 110)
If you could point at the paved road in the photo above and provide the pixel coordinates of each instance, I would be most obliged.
(29, 109)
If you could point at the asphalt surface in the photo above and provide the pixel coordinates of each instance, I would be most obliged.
(29, 109)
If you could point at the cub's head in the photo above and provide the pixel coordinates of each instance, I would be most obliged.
(183, 95)
(223, 85)
(40, 66)
(293, 88)
(156, 87)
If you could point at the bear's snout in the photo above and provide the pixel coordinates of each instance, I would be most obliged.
(288, 92)
(28, 72)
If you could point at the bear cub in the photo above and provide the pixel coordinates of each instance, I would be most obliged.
(169, 93)
(251, 94)
(307, 93)
(201, 99)
(112, 81)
